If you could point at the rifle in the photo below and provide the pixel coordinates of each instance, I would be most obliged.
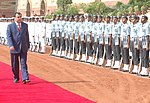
(79, 47)
(104, 54)
(121, 61)
(73, 46)
(68, 53)
(96, 56)
(113, 61)
(86, 49)
(131, 65)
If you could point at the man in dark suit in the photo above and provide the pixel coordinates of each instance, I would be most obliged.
(18, 41)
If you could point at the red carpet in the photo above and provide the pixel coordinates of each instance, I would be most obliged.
(37, 91)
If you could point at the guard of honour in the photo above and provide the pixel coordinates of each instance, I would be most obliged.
(117, 42)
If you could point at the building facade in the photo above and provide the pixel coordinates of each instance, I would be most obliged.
(7, 8)
(40, 7)
(36, 7)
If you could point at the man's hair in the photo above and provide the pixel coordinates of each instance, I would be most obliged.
(145, 17)
(17, 13)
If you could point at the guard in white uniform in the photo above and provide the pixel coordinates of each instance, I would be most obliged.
(100, 32)
(66, 35)
(108, 41)
(135, 32)
(144, 39)
(37, 33)
(95, 39)
(71, 44)
(48, 33)
(88, 38)
(57, 31)
(42, 36)
(125, 43)
(116, 31)
(62, 36)
(53, 35)
(3, 31)
(82, 43)
(76, 38)
(31, 29)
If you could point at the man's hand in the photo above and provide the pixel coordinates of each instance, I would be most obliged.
(12, 48)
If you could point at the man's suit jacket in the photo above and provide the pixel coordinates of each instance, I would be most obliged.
(18, 39)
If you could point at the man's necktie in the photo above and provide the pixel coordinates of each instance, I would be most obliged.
(19, 28)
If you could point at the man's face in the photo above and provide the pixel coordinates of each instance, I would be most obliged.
(76, 19)
(133, 20)
(89, 18)
(81, 19)
(70, 19)
(32, 20)
(57, 18)
(66, 18)
(99, 20)
(124, 20)
(107, 20)
(143, 20)
(115, 20)
(18, 18)
(61, 18)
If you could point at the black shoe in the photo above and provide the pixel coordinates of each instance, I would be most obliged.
(16, 80)
(24, 81)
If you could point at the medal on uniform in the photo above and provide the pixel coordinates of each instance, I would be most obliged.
(106, 36)
(88, 31)
(100, 39)
(106, 39)
(88, 37)
(57, 34)
(82, 36)
(95, 37)
(125, 41)
(70, 35)
(116, 40)
(76, 32)
(116, 36)
(53, 34)
(62, 34)
(76, 35)
(66, 36)
(60, 29)
(135, 42)
(100, 29)
(143, 41)
(95, 34)
(124, 31)
(143, 30)
(53, 28)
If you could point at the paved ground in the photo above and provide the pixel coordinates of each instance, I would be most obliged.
(102, 85)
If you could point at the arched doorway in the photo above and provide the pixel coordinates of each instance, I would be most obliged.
(42, 9)
(28, 13)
